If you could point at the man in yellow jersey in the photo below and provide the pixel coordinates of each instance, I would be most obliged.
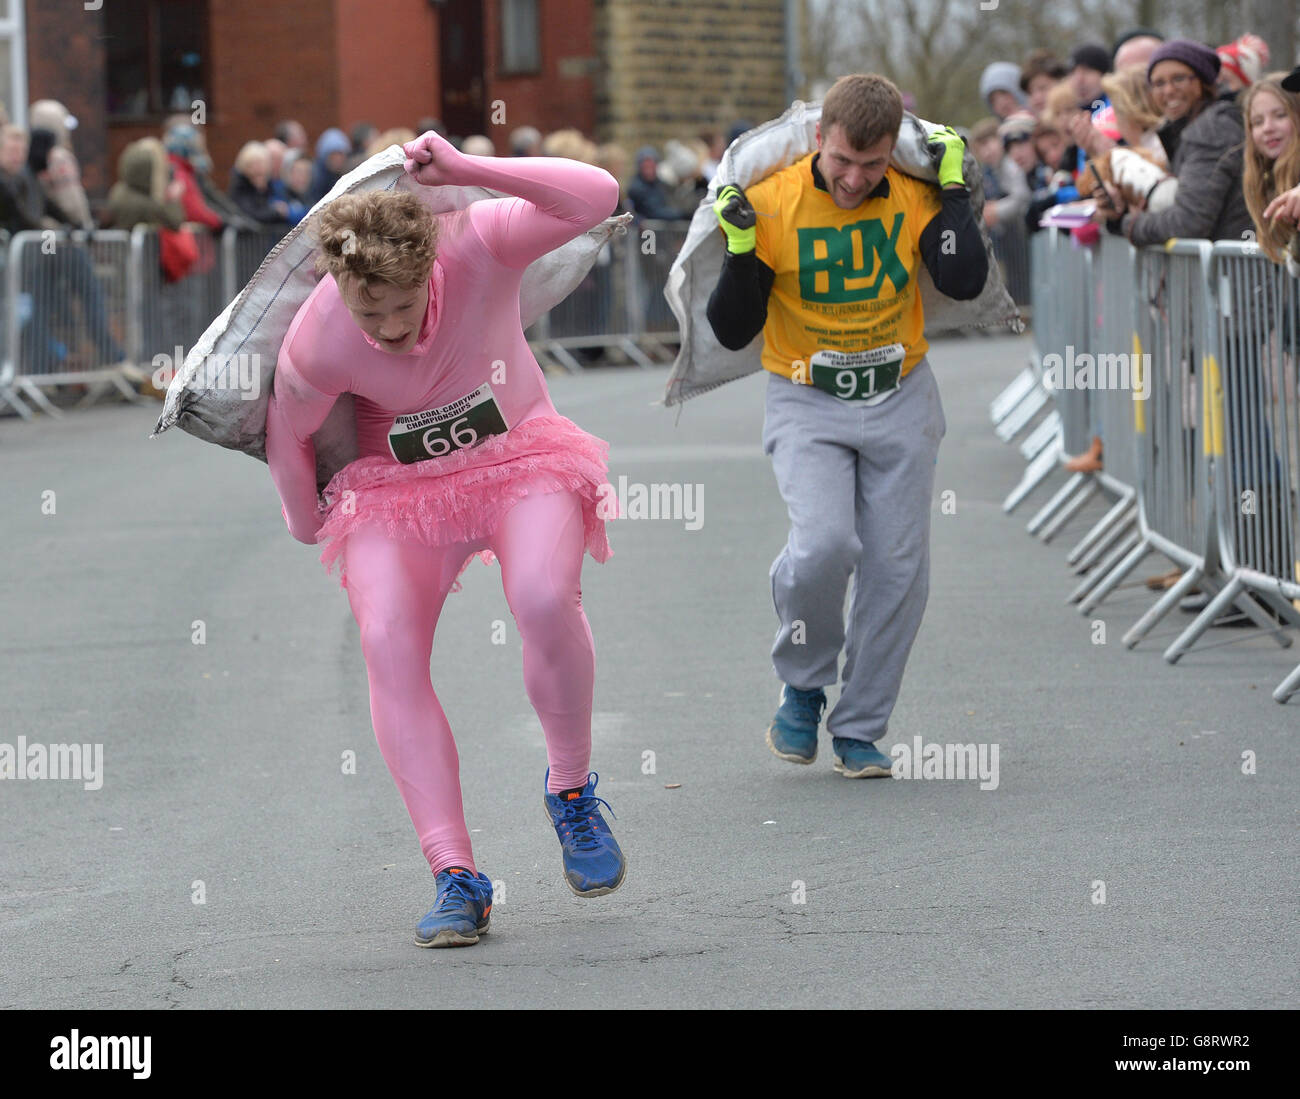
(822, 258)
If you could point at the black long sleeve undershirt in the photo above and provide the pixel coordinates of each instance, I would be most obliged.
(959, 271)
(737, 307)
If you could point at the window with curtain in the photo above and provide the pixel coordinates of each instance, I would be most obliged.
(521, 40)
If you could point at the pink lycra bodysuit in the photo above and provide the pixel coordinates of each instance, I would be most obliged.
(471, 328)
(527, 491)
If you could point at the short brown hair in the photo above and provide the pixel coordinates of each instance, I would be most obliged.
(379, 236)
(1042, 62)
(866, 107)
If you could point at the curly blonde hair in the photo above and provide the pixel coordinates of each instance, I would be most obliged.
(386, 237)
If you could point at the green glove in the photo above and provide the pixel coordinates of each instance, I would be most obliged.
(737, 218)
(946, 150)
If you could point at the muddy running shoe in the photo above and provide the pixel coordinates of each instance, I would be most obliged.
(593, 862)
(792, 736)
(860, 759)
(462, 911)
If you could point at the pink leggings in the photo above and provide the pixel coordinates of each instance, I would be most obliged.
(397, 590)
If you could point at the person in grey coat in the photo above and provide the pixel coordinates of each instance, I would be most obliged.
(1203, 136)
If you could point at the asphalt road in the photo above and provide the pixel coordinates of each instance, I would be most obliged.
(223, 760)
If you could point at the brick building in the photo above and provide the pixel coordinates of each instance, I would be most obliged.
(626, 70)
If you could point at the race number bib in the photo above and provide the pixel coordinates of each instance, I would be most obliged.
(868, 376)
(465, 423)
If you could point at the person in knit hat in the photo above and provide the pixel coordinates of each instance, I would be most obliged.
(1202, 135)
(1088, 64)
(1000, 88)
(332, 150)
(1242, 62)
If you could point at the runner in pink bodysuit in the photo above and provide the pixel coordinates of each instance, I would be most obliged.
(491, 468)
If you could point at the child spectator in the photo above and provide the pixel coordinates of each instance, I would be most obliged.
(1271, 163)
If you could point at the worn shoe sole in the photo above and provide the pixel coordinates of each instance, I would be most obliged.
(789, 758)
(601, 890)
(450, 937)
(871, 770)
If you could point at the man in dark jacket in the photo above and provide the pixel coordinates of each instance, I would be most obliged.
(54, 277)
(646, 193)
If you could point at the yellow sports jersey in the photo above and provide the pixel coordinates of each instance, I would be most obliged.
(845, 279)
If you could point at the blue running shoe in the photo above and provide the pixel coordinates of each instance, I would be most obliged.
(462, 911)
(860, 759)
(793, 733)
(593, 862)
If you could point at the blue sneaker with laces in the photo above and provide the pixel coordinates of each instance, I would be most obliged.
(792, 736)
(860, 759)
(462, 911)
(593, 862)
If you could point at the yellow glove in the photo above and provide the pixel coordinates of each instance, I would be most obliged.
(737, 218)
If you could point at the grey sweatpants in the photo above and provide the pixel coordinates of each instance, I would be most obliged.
(857, 481)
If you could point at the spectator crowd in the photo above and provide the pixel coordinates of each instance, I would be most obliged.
(1169, 137)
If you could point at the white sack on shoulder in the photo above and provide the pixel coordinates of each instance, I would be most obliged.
(204, 401)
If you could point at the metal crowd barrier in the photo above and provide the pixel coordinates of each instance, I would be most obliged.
(1059, 302)
(1115, 410)
(95, 311)
(1257, 449)
(242, 254)
(602, 315)
(64, 316)
(1206, 469)
(619, 309)
(1011, 247)
(166, 317)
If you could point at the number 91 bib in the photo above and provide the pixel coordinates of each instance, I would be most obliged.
(867, 376)
(465, 423)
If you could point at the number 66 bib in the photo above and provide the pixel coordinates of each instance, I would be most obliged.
(465, 423)
(867, 376)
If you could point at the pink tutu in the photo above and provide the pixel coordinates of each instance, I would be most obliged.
(462, 497)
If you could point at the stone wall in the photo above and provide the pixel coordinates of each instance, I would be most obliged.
(671, 68)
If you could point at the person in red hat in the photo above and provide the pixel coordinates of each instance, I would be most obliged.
(1242, 62)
